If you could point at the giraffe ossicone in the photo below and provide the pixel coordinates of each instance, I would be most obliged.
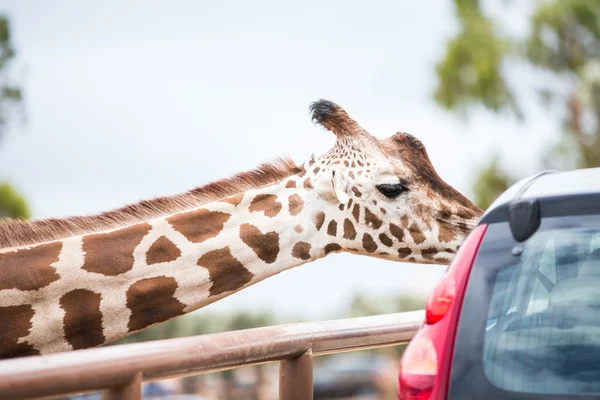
(80, 282)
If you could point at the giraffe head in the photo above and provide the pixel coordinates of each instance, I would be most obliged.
(384, 198)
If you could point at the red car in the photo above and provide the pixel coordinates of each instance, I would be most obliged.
(517, 315)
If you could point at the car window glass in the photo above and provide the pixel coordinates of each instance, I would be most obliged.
(545, 278)
(543, 328)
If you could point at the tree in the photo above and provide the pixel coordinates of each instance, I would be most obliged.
(563, 42)
(11, 95)
(12, 205)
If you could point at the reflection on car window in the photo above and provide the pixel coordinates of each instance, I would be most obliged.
(545, 279)
(543, 328)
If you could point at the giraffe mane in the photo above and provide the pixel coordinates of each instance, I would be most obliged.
(15, 233)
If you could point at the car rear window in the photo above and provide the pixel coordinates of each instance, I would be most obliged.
(530, 322)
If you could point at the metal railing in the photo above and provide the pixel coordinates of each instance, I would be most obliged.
(120, 370)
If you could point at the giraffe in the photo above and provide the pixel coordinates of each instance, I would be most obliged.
(80, 282)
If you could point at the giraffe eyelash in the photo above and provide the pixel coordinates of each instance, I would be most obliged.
(391, 190)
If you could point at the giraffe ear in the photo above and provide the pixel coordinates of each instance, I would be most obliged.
(339, 184)
(332, 186)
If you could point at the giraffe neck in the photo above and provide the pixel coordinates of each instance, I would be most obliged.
(88, 290)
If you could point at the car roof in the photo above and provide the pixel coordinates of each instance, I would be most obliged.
(551, 184)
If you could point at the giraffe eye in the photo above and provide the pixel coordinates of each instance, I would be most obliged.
(391, 190)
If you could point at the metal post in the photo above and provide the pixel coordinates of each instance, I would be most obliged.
(131, 391)
(296, 378)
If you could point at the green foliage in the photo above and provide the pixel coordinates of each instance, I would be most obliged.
(200, 323)
(564, 34)
(490, 184)
(247, 320)
(563, 41)
(11, 95)
(470, 71)
(12, 205)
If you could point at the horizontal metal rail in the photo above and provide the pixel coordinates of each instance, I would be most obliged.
(122, 368)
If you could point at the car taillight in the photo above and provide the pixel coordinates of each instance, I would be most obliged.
(418, 369)
(441, 299)
(425, 364)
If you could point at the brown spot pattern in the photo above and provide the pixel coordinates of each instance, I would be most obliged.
(466, 213)
(29, 269)
(290, 184)
(368, 243)
(332, 228)
(234, 200)
(372, 219)
(163, 250)
(319, 219)
(341, 207)
(404, 252)
(386, 240)
(267, 203)
(416, 234)
(307, 184)
(349, 231)
(404, 221)
(446, 233)
(301, 250)
(356, 212)
(332, 247)
(152, 301)
(266, 246)
(316, 170)
(226, 272)
(298, 228)
(351, 175)
(111, 253)
(199, 225)
(16, 323)
(295, 204)
(397, 232)
(83, 320)
(429, 253)
(357, 192)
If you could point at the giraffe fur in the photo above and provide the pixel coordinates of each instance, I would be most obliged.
(85, 281)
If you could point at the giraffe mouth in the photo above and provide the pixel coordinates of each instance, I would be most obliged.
(459, 225)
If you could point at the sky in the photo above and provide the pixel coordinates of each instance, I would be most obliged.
(132, 100)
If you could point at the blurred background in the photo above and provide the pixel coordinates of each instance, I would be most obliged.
(108, 103)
